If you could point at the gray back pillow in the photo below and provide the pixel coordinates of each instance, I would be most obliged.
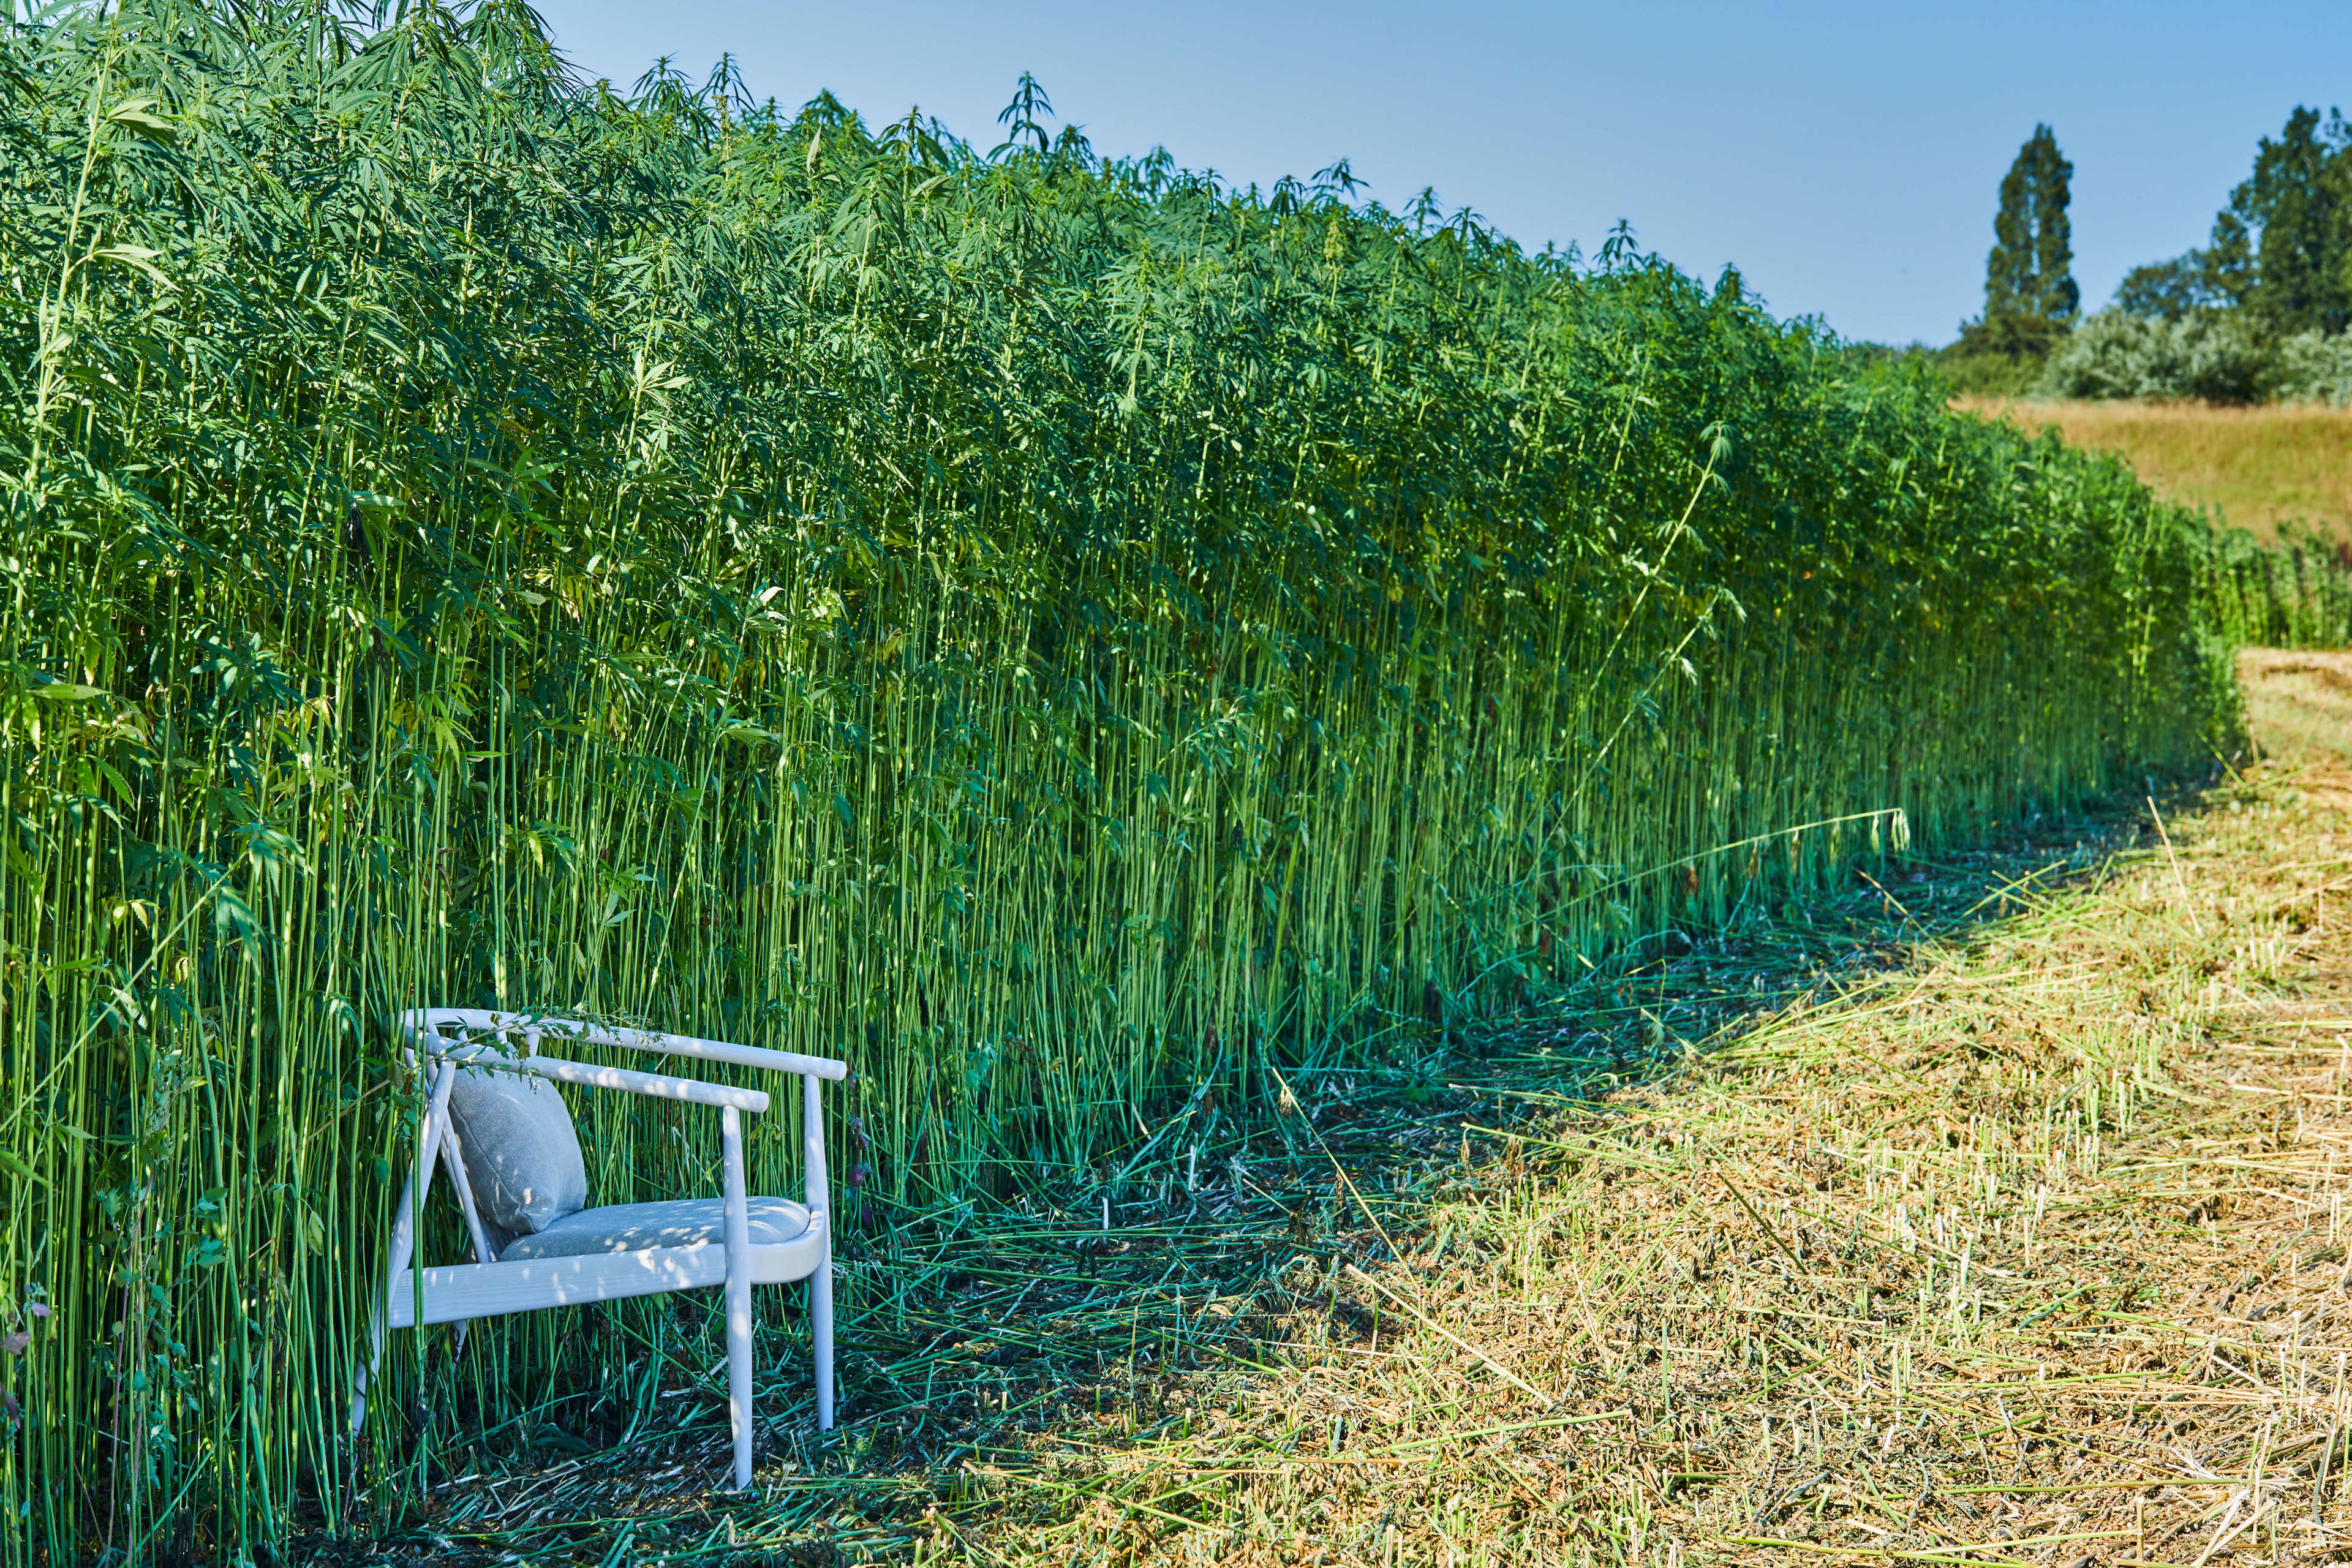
(522, 1155)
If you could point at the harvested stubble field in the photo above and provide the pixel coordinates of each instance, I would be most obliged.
(1989, 1215)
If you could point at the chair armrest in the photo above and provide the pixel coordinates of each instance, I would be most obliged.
(708, 1050)
(659, 1085)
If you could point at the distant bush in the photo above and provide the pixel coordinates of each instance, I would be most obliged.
(1987, 374)
(2313, 367)
(2213, 355)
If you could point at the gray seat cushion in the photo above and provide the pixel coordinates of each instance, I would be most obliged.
(681, 1222)
(520, 1152)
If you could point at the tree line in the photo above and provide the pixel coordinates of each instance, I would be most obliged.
(2262, 310)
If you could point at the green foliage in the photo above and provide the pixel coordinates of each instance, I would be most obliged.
(2275, 281)
(2169, 290)
(2296, 593)
(2214, 356)
(2282, 249)
(1063, 634)
(2312, 367)
(2030, 295)
(1975, 373)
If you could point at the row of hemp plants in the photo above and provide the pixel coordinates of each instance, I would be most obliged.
(2295, 592)
(1068, 635)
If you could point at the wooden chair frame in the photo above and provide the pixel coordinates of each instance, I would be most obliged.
(487, 1286)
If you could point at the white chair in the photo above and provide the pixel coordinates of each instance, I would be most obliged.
(542, 1246)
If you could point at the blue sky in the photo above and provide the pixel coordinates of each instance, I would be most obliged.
(1845, 156)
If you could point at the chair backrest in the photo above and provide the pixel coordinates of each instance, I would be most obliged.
(516, 1149)
(531, 1029)
(516, 1142)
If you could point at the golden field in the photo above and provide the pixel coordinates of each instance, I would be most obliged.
(2259, 466)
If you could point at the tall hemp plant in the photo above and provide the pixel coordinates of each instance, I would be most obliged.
(1066, 634)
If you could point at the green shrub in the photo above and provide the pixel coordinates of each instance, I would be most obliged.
(2214, 355)
(2313, 367)
(1987, 374)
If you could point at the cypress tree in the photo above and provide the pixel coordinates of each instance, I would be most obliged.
(2009, 271)
(2029, 289)
(2056, 297)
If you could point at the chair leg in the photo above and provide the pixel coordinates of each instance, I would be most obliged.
(820, 1326)
(367, 1375)
(820, 1203)
(403, 1240)
(739, 1377)
(739, 1294)
(405, 1225)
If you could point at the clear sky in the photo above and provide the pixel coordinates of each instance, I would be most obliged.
(1845, 156)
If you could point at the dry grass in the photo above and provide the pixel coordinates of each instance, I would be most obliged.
(2259, 466)
(1992, 1217)
(2300, 703)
